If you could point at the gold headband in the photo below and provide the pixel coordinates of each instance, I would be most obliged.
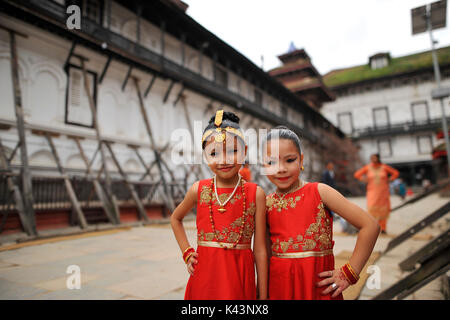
(220, 137)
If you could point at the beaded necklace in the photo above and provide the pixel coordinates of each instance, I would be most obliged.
(243, 215)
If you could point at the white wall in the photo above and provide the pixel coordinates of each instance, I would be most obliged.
(398, 100)
(43, 82)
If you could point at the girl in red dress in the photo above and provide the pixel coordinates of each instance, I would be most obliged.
(229, 211)
(301, 227)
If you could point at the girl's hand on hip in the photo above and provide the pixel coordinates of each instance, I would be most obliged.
(335, 280)
(192, 261)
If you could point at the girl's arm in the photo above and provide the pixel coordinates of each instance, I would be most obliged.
(259, 245)
(367, 236)
(176, 220)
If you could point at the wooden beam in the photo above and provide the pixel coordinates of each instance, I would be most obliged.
(70, 191)
(435, 266)
(108, 189)
(432, 217)
(129, 186)
(27, 190)
(9, 30)
(105, 68)
(126, 78)
(424, 253)
(150, 85)
(13, 153)
(14, 188)
(179, 96)
(169, 201)
(72, 49)
(107, 206)
(169, 89)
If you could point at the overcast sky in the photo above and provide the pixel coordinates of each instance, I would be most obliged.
(335, 34)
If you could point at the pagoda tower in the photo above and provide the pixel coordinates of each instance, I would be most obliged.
(298, 74)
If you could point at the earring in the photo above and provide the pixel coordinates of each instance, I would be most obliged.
(302, 168)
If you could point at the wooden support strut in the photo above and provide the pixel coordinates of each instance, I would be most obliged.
(424, 253)
(105, 69)
(168, 198)
(13, 187)
(27, 191)
(109, 194)
(179, 96)
(109, 211)
(124, 84)
(130, 187)
(442, 211)
(70, 191)
(13, 153)
(169, 89)
(150, 85)
(147, 172)
(196, 168)
(72, 49)
(436, 265)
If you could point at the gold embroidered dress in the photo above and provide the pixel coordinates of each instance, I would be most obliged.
(227, 274)
(301, 233)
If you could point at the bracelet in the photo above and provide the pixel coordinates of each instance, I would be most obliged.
(352, 272)
(187, 253)
(186, 250)
(349, 273)
(188, 256)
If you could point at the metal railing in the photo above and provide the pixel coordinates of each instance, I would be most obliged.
(400, 128)
(50, 194)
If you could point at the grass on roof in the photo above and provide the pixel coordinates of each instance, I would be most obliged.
(396, 66)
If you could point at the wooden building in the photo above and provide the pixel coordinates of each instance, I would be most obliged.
(87, 114)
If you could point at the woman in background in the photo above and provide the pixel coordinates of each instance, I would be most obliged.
(377, 175)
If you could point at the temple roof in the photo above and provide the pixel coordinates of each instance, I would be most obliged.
(396, 67)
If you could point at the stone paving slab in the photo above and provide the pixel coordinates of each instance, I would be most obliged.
(144, 262)
(399, 221)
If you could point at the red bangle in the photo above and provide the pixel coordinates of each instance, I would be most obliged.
(187, 253)
(350, 274)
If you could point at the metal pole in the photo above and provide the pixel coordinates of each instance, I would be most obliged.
(437, 76)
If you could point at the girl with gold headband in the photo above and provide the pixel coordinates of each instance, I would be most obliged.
(230, 212)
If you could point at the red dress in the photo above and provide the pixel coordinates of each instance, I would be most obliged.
(301, 232)
(224, 274)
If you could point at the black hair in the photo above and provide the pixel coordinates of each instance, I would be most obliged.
(229, 119)
(283, 132)
(376, 155)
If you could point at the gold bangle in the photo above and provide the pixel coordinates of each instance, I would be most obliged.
(188, 256)
(345, 275)
(187, 250)
(352, 271)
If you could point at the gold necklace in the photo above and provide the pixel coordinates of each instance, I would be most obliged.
(281, 202)
(244, 215)
(222, 205)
